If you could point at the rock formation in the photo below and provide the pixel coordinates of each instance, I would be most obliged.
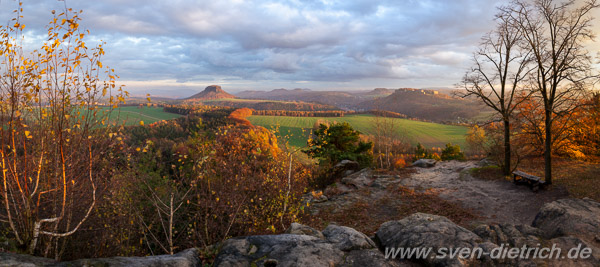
(566, 224)
(211, 92)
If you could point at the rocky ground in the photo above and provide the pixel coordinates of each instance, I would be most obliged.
(441, 188)
(495, 201)
(565, 223)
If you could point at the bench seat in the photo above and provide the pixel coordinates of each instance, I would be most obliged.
(533, 181)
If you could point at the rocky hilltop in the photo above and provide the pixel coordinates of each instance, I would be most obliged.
(211, 92)
(565, 223)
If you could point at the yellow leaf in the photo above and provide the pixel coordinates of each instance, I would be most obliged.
(99, 64)
(27, 134)
(142, 123)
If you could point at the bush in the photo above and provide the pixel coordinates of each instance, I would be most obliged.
(338, 142)
(331, 145)
(399, 163)
(423, 153)
(452, 152)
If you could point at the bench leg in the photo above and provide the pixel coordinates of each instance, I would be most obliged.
(536, 187)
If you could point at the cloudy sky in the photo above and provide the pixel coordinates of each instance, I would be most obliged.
(177, 47)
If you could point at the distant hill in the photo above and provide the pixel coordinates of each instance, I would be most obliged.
(425, 104)
(211, 92)
(379, 92)
(341, 99)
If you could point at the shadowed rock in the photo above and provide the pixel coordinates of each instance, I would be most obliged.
(576, 217)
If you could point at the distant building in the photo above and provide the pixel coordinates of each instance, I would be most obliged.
(423, 91)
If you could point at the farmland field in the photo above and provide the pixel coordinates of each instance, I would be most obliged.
(428, 134)
(132, 115)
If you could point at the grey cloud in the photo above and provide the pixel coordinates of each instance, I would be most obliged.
(278, 41)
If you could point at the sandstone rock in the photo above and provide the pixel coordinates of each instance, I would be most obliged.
(345, 167)
(576, 217)
(320, 199)
(342, 246)
(427, 231)
(317, 197)
(567, 243)
(371, 258)
(359, 179)
(285, 249)
(22, 260)
(300, 229)
(513, 235)
(425, 163)
(186, 258)
(485, 162)
(347, 239)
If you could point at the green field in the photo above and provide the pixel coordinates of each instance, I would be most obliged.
(428, 134)
(132, 115)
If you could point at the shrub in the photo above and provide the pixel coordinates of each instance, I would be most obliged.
(452, 152)
(331, 145)
(423, 153)
(399, 163)
(337, 142)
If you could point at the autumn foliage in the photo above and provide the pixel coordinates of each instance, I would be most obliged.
(240, 115)
(54, 141)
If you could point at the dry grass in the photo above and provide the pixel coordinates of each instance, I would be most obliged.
(580, 178)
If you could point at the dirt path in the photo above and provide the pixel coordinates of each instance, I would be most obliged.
(495, 201)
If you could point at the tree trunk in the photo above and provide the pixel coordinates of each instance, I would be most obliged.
(548, 149)
(507, 152)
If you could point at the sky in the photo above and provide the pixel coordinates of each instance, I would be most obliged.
(176, 48)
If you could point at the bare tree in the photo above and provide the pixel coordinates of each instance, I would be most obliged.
(556, 31)
(388, 140)
(500, 65)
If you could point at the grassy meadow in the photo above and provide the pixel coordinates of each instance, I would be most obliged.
(132, 115)
(428, 134)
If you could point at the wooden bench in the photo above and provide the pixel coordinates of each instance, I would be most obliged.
(534, 182)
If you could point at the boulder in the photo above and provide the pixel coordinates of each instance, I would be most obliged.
(315, 197)
(186, 258)
(371, 258)
(427, 231)
(347, 239)
(18, 260)
(575, 217)
(425, 163)
(300, 229)
(347, 165)
(280, 250)
(513, 235)
(567, 243)
(486, 162)
(341, 246)
(360, 179)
